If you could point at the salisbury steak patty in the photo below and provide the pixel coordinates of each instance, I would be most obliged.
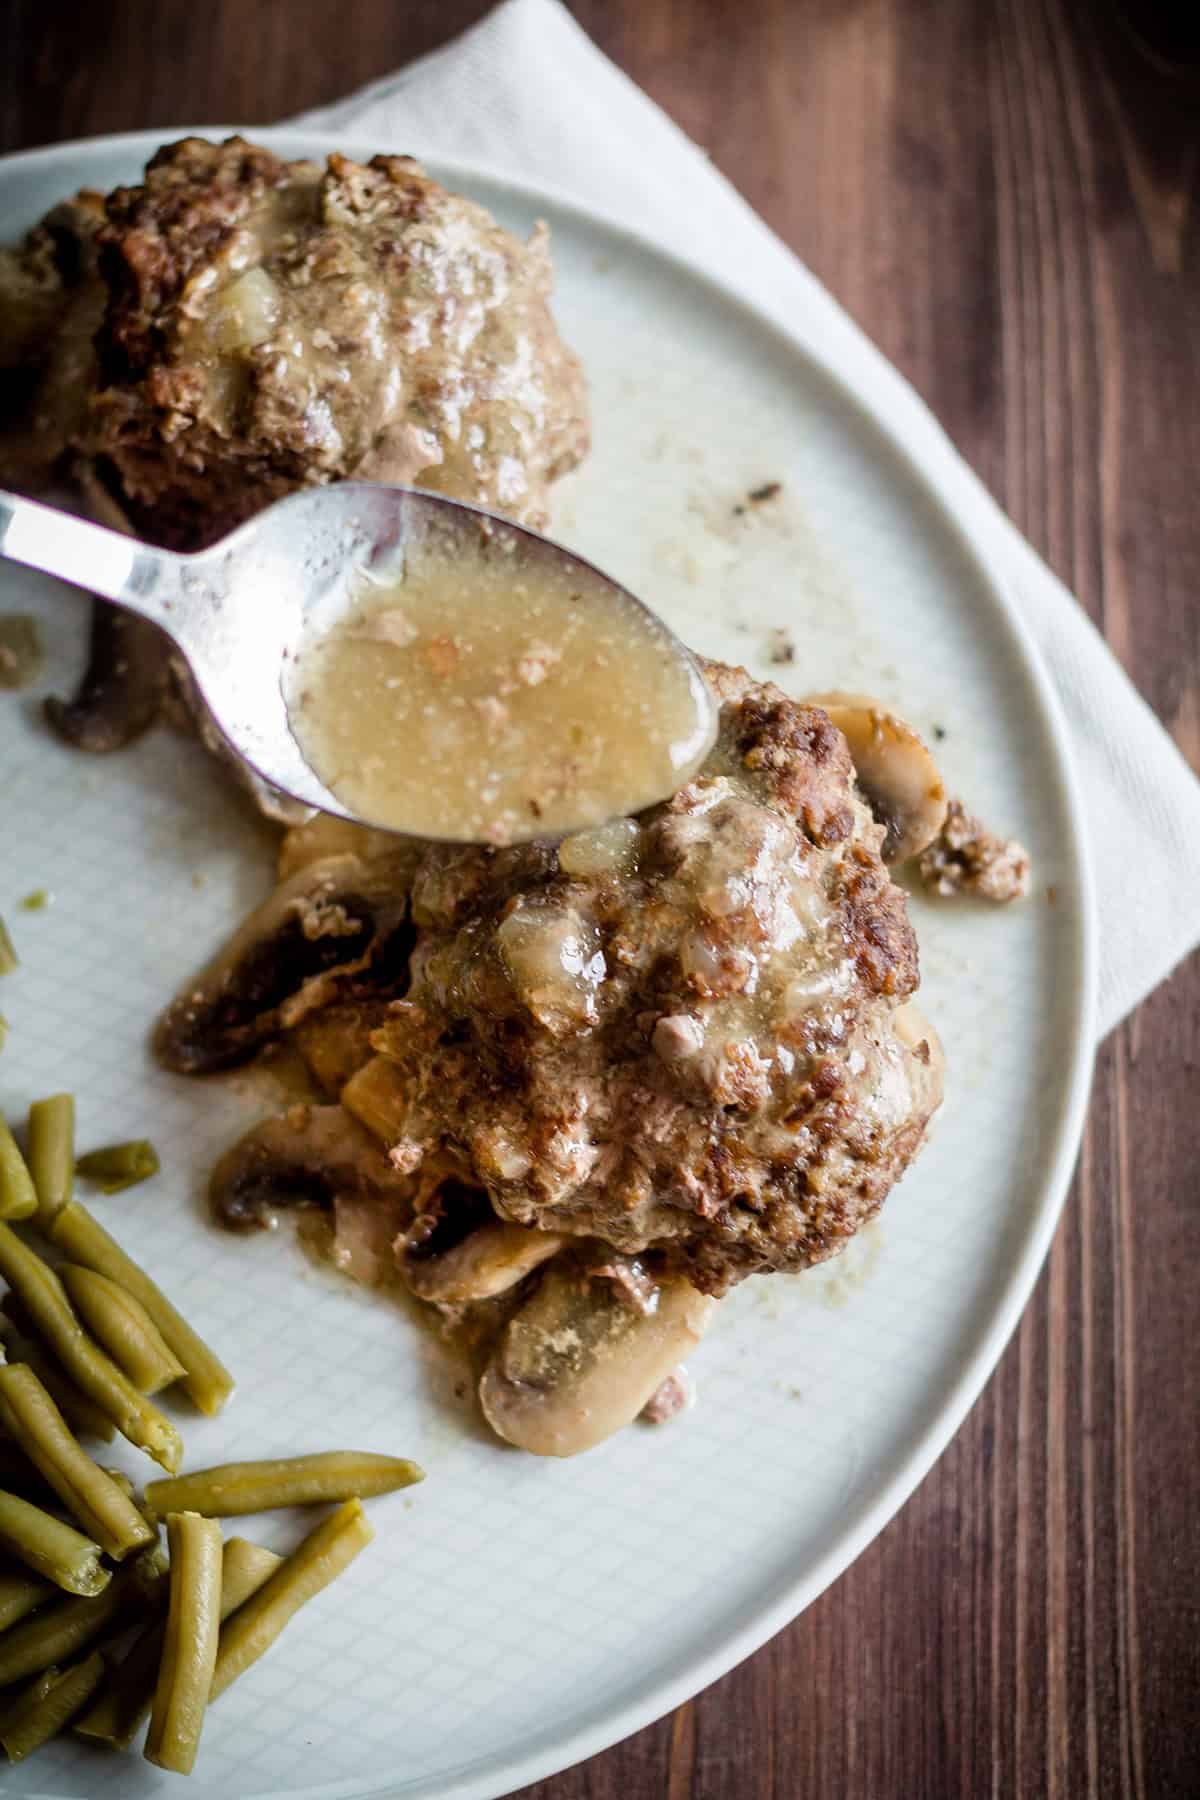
(261, 324)
(272, 323)
(683, 1032)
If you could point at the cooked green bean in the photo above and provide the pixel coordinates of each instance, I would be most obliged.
(119, 1166)
(58, 1632)
(21, 1593)
(45, 1300)
(41, 1684)
(245, 1567)
(18, 1475)
(3, 1031)
(127, 1693)
(190, 1643)
(122, 1326)
(131, 1493)
(251, 1487)
(328, 1549)
(84, 1240)
(49, 1705)
(9, 959)
(50, 1548)
(81, 1414)
(148, 1570)
(135, 1498)
(123, 1482)
(95, 1500)
(51, 1137)
(18, 1196)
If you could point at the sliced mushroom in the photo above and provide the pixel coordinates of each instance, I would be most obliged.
(121, 693)
(378, 1098)
(579, 1360)
(900, 780)
(323, 836)
(309, 1156)
(297, 952)
(914, 1031)
(125, 682)
(335, 1043)
(460, 1251)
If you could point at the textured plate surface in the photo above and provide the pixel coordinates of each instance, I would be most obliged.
(515, 1615)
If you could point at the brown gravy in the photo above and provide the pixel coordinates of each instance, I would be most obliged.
(494, 695)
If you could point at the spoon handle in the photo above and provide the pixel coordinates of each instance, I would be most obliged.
(120, 568)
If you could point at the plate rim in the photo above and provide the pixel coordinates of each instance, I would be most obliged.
(478, 1781)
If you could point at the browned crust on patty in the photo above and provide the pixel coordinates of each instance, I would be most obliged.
(396, 332)
(694, 1056)
(161, 231)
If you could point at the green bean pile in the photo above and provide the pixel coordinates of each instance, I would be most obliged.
(84, 1345)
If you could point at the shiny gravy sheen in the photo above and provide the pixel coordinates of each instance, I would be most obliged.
(492, 694)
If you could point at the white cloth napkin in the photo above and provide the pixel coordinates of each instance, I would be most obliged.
(528, 94)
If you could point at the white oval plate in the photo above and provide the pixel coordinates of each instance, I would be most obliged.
(516, 1615)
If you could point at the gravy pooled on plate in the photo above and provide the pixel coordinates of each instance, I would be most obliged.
(493, 694)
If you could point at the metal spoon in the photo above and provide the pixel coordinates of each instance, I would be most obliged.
(239, 610)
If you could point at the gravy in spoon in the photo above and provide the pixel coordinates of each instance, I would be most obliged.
(494, 692)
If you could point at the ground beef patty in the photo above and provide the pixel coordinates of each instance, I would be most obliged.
(684, 1032)
(272, 323)
(261, 324)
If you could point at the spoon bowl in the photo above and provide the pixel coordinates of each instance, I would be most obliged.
(242, 612)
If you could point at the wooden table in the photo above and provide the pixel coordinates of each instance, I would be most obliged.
(1000, 193)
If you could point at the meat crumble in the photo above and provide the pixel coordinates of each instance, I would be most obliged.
(669, 1399)
(965, 858)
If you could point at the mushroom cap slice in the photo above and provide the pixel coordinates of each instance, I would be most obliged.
(324, 835)
(896, 771)
(121, 692)
(489, 1260)
(332, 920)
(124, 685)
(334, 1044)
(378, 1096)
(308, 1156)
(580, 1359)
(928, 1069)
(912, 1027)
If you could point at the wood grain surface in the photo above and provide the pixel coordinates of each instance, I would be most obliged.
(1003, 194)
